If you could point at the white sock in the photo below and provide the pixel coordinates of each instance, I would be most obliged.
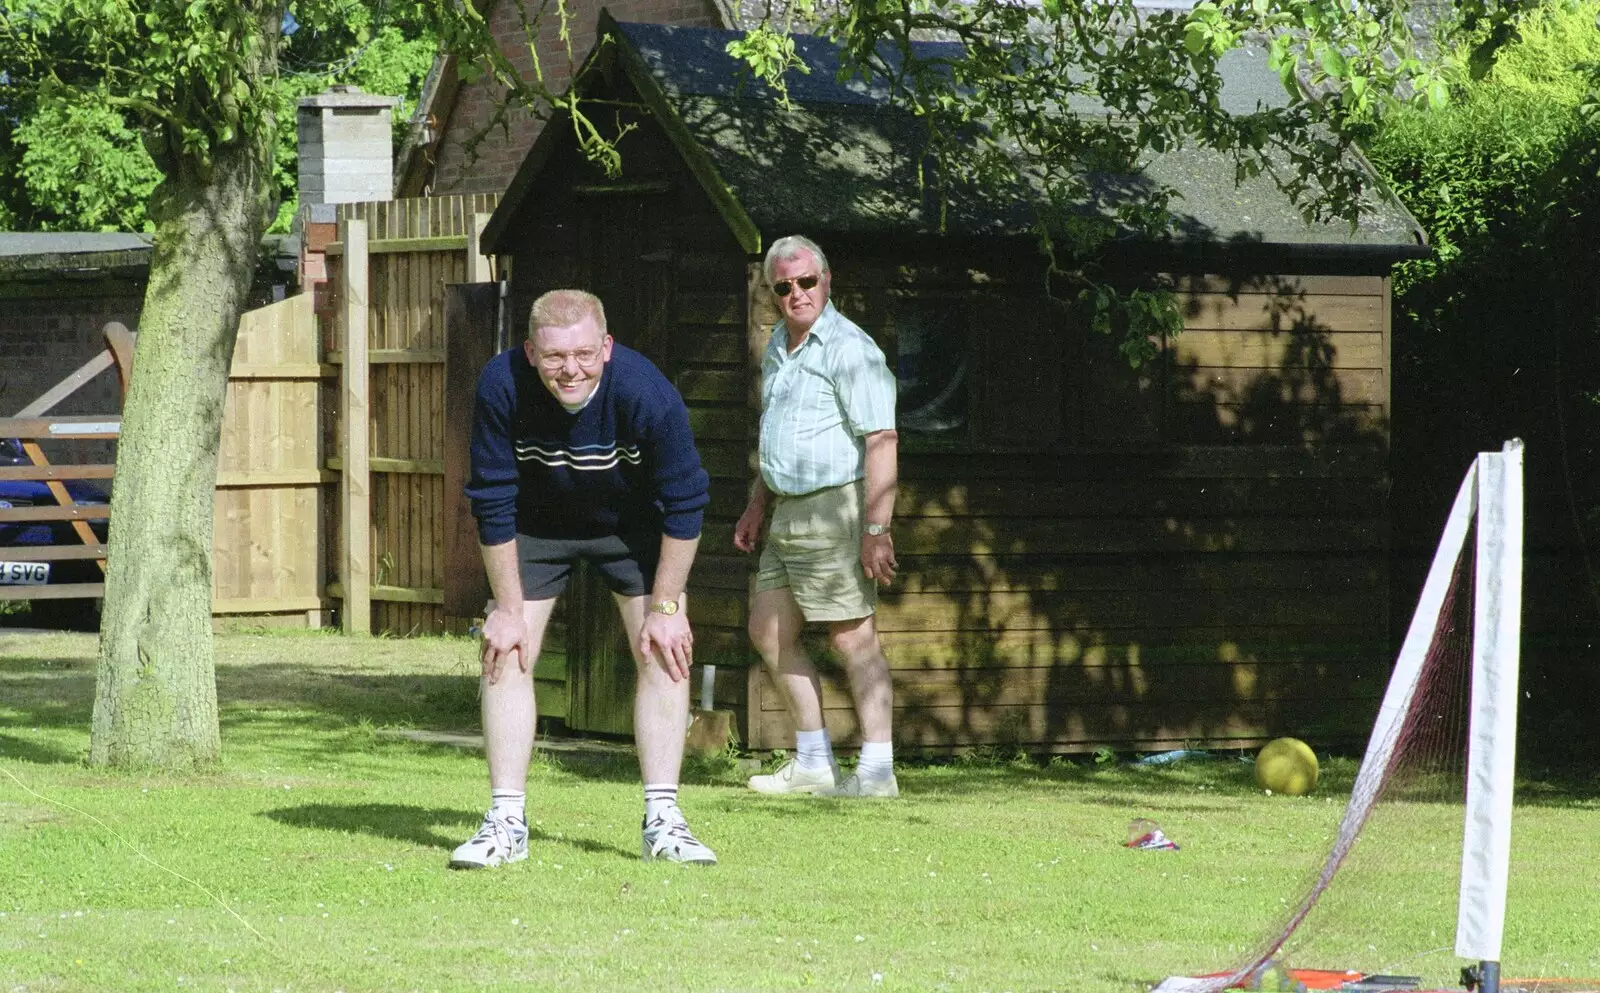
(509, 804)
(658, 798)
(877, 760)
(813, 749)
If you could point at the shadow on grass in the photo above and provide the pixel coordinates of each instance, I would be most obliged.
(22, 749)
(49, 681)
(419, 826)
(623, 767)
(287, 686)
(441, 702)
(1225, 775)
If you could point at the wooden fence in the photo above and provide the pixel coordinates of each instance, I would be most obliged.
(389, 270)
(308, 515)
(267, 536)
(267, 541)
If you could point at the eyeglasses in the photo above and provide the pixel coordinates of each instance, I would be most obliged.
(783, 286)
(556, 361)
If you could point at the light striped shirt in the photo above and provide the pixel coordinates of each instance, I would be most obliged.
(819, 402)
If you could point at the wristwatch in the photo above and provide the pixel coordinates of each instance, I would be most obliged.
(668, 607)
(875, 529)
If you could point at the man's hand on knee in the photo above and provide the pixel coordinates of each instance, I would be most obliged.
(505, 635)
(667, 640)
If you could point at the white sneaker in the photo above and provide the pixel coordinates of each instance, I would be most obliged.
(855, 786)
(792, 778)
(668, 838)
(498, 841)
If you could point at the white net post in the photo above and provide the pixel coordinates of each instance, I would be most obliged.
(1491, 498)
(1491, 748)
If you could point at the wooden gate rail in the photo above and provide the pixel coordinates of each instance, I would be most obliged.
(39, 472)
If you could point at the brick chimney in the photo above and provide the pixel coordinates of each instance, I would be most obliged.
(346, 146)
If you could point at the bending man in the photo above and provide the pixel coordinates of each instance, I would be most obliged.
(828, 454)
(581, 449)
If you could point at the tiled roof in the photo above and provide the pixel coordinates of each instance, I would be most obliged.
(855, 158)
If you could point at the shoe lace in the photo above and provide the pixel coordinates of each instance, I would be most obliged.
(500, 830)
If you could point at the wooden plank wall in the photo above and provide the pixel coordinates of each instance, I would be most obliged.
(416, 247)
(268, 555)
(711, 354)
(1279, 360)
(1190, 552)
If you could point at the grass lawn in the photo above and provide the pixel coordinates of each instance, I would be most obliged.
(314, 858)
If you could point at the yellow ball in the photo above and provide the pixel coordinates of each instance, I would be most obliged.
(1287, 765)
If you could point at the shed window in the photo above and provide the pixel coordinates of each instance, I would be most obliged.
(974, 370)
(932, 365)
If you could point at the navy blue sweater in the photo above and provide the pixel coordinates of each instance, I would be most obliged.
(623, 465)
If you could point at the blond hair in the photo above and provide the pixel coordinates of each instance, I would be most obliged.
(564, 308)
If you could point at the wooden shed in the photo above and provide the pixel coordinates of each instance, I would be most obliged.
(1191, 552)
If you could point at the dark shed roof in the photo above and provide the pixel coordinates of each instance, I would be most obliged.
(48, 256)
(840, 160)
(39, 254)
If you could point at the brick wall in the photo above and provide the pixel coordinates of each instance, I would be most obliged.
(44, 339)
(501, 152)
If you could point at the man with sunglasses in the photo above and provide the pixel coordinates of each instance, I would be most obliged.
(581, 449)
(828, 455)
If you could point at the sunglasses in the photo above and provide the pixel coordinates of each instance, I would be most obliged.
(783, 286)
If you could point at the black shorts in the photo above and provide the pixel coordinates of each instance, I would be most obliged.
(628, 564)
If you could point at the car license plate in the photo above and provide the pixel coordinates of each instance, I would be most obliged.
(24, 573)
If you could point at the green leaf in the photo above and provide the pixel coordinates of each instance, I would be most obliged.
(1335, 63)
(1288, 75)
(1278, 52)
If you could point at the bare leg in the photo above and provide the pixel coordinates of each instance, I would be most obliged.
(660, 706)
(857, 643)
(775, 626)
(508, 708)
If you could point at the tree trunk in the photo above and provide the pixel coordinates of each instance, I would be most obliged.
(155, 690)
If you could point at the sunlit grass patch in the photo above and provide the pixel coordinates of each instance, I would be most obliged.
(314, 858)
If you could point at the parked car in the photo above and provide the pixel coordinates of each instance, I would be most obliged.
(76, 613)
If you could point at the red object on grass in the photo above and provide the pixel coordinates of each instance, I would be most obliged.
(1312, 979)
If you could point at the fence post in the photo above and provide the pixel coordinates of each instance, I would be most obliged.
(354, 490)
(477, 263)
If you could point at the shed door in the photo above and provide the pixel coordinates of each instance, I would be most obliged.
(625, 244)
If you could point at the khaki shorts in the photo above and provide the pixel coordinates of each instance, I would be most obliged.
(814, 548)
